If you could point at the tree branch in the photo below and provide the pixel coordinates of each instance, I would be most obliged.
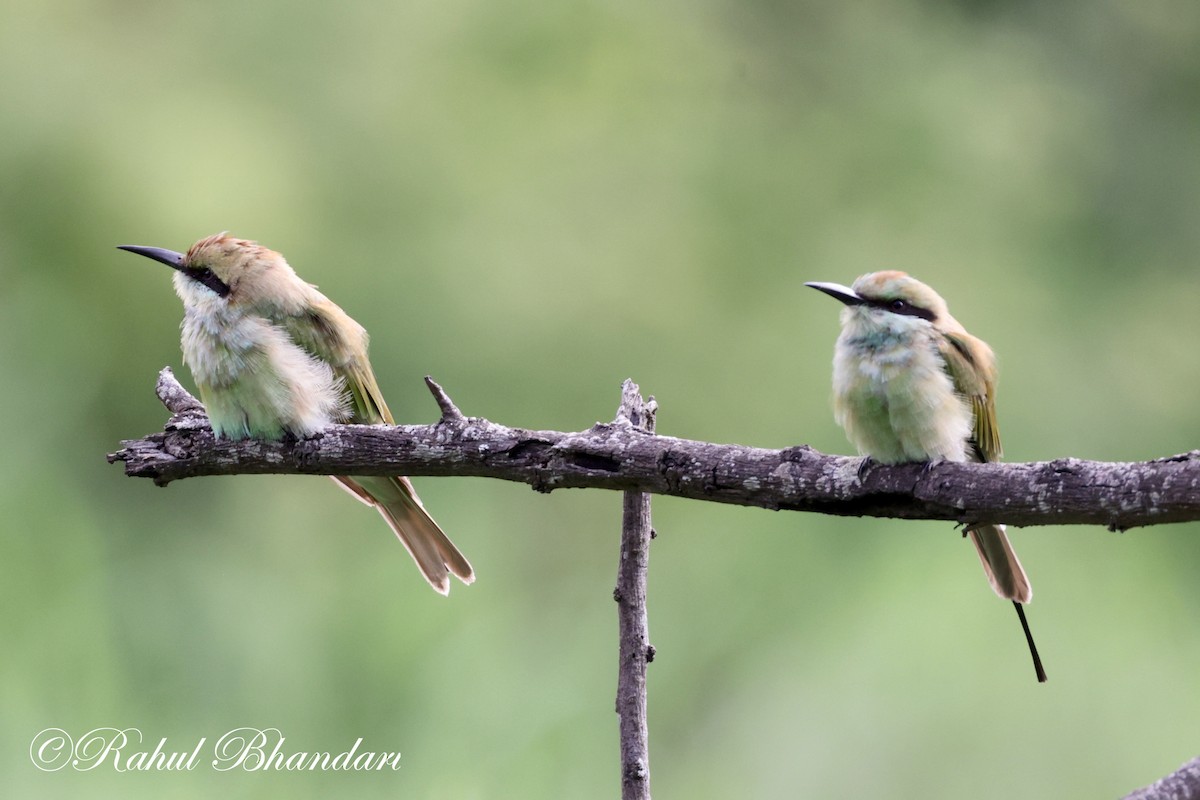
(626, 455)
(637, 415)
(613, 456)
(1182, 784)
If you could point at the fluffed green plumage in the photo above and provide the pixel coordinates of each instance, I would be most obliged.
(273, 356)
(910, 384)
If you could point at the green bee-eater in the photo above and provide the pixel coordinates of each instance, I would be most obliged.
(910, 384)
(272, 356)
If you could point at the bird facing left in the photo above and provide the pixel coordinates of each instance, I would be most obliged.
(272, 356)
(910, 384)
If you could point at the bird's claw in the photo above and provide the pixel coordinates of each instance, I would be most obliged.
(864, 467)
(968, 527)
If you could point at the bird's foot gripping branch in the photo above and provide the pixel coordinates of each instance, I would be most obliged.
(1116, 495)
(626, 455)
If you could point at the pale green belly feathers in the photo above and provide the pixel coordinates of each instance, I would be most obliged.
(897, 404)
(254, 382)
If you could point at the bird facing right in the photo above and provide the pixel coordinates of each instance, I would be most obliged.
(910, 385)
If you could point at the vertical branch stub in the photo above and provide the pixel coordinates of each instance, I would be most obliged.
(171, 394)
(632, 619)
(450, 413)
(635, 412)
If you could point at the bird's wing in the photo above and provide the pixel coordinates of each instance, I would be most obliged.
(364, 390)
(329, 334)
(972, 368)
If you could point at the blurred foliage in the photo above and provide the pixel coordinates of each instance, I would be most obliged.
(531, 202)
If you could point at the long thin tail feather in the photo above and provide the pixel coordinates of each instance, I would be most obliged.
(1037, 660)
(1007, 578)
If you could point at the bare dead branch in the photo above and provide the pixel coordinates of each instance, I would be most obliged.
(632, 619)
(616, 456)
(1182, 784)
(626, 455)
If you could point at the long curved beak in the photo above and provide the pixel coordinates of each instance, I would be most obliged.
(203, 275)
(838, 292)
(169, 257)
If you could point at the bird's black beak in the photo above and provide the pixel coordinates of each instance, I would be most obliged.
(176, 261)
(169, 257)
(838, 292)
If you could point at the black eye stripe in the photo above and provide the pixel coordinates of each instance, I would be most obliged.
(205, 276)
(902, 307)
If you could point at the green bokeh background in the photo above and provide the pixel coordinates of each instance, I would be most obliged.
(531, 202)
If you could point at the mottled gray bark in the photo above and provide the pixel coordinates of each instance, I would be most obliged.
(637, 415)
(1182, 784)
(626, 455)
(615, 456)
